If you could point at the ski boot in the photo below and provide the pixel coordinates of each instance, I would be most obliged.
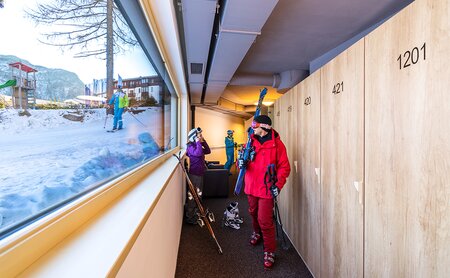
(231, 216)
(255, 238)
(233, 212)
(191, 197)
(269, 260)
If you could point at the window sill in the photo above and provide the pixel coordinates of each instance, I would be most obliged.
(92, 237)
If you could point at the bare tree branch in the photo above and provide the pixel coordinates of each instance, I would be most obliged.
(82, 26)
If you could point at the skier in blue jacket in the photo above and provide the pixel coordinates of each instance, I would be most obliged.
(120, 101)
(229, 149)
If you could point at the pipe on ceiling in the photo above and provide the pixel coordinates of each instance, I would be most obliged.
(290, 78)
(240, 24)
(282, 81)
(252, 80)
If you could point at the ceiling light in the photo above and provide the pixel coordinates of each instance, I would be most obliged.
(267, 102)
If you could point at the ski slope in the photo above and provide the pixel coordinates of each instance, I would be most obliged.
(46, 158)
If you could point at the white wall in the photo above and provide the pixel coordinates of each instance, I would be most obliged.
(154, 254)
(215, 125)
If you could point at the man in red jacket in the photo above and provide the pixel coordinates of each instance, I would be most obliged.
(269, 149)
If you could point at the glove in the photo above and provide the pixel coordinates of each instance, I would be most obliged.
(241, 163)
(274, 190)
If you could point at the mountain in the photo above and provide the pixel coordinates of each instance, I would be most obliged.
(51, 84)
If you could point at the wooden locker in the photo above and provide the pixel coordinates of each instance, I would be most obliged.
(342, 119)
(306, 192)
(276, 115)
(288, 134)
(407, 148)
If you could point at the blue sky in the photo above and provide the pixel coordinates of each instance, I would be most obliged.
(19, 36)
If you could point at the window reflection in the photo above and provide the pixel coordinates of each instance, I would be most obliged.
(53, 134)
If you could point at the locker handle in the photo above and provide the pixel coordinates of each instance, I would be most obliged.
(317, 170)
(359, 185)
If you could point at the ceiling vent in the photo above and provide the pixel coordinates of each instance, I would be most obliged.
(196, 68)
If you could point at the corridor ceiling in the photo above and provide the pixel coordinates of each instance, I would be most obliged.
(234, 48)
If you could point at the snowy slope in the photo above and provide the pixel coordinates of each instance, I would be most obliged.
(46, 158)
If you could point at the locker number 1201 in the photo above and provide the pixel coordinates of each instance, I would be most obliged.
(411, 57)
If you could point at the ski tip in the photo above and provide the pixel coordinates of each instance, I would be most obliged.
(114, 130)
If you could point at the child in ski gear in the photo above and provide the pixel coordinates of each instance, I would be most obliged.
(268, 149)
(120, 101)
(197, 148)
(229, 149)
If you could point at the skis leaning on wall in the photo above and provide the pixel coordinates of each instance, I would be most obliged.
(245, 152)
(205, 217)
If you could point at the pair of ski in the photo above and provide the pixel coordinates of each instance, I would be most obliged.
(205, 216)
(248, 146)
(114, 130)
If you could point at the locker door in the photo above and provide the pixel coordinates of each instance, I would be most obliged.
(342, 104)
(288, 134)
(306, 213)
(407, 159)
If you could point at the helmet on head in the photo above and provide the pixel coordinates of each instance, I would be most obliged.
(192, 135)
(230, 132)
(262, 121)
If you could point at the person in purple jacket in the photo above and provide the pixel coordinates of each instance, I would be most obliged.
(196, 150)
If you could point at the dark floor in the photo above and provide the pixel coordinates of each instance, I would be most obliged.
(198, 255)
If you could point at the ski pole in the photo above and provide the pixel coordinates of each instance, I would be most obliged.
(271, 178)
(136, 118)
(279, 224)
(168, 144)
(106, 118)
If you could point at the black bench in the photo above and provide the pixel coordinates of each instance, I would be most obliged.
(215, 181)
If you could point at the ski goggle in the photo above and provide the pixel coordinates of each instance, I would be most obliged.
(255, 125)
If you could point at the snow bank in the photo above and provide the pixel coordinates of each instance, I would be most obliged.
(46, 159)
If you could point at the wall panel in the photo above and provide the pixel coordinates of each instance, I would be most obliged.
(407, 159)
(287, 128)
(342, 104)
(215, 125)
(306, 192)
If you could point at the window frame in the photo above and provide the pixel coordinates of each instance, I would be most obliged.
(23, 247)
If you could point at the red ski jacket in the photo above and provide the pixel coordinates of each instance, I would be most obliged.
(270, 152)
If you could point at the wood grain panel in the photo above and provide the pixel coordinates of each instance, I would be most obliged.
(407, 166)
(288, 134)
(342, 104)
(306, 194)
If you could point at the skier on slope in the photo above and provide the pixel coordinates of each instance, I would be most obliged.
(120, 101)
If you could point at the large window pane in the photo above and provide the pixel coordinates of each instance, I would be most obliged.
(53, 110)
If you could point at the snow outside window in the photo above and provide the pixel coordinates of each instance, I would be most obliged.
(57, 140)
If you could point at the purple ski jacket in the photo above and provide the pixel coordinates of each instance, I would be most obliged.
(196, 152)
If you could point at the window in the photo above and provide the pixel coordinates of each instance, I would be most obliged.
(55, 144)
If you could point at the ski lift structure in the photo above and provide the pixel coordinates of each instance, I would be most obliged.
(24, 90)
